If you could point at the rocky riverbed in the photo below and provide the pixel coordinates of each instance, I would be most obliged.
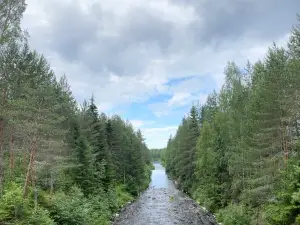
(163, 205)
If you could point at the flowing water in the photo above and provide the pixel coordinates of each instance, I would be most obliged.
(163, 204)
(159, 178)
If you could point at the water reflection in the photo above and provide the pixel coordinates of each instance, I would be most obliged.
(159, 177)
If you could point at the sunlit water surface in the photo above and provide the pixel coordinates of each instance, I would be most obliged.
(159, 178)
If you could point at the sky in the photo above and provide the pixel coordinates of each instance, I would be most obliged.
(149, 61)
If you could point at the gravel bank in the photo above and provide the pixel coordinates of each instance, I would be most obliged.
(164, 206)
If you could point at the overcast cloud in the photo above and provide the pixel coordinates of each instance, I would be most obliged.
(131, 51)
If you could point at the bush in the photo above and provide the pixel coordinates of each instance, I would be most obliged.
(122, 196)
(234, 215)
(205, 196)
(70, 209)
(286, 207)
(279, 214)
(77, 209)
(13, 207)
(147, 176)
(100, 209)
(40, 216)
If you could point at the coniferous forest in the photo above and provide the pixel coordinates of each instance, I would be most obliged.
(238, 154)
(156, 154)
(59, 163)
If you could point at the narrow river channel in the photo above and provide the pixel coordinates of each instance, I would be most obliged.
(163, 204)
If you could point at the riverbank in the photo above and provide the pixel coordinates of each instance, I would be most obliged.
(163, 204)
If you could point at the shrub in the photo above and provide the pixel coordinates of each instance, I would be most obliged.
(13, 207)
(234, 215)
(71, 209)
(40, 216)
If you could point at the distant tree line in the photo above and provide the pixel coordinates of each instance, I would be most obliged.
(156, 154)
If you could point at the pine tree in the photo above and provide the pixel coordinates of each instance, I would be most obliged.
(98, 139)
(115, 132)
(83, 165)
(11, 13)
(192, 136)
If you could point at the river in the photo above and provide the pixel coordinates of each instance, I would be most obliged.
(163, 204)
(159, 178)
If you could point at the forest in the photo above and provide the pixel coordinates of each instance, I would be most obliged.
(60, 162)
(238, 154)
(156, 154)
(64, 162)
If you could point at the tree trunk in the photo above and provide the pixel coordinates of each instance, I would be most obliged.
(30, 173)
(24, 161)
(11, 156)
(1, 152)
(284, 143)
(2, 142)
(51, 184)
(286, 153)
(124, 175)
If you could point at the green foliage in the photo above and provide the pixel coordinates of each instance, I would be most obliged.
(40, 216)
(234, 215)
(180, 153)
(122, 196)
(228, 153)
(279, 215)
(287, 206)
(13, 206)
(10, 28)
(146, 176)
(156, 154)
(69, 209)
(83, 165)
(171, 198)
(14, 209)
(75, 208)
(62, 164)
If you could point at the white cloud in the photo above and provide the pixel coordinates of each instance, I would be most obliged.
(112, 90)
(179, 99)
(140, 123)
(137, 123)
(167, 107)
(104, 107)
(126, 51)
(158, 136)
